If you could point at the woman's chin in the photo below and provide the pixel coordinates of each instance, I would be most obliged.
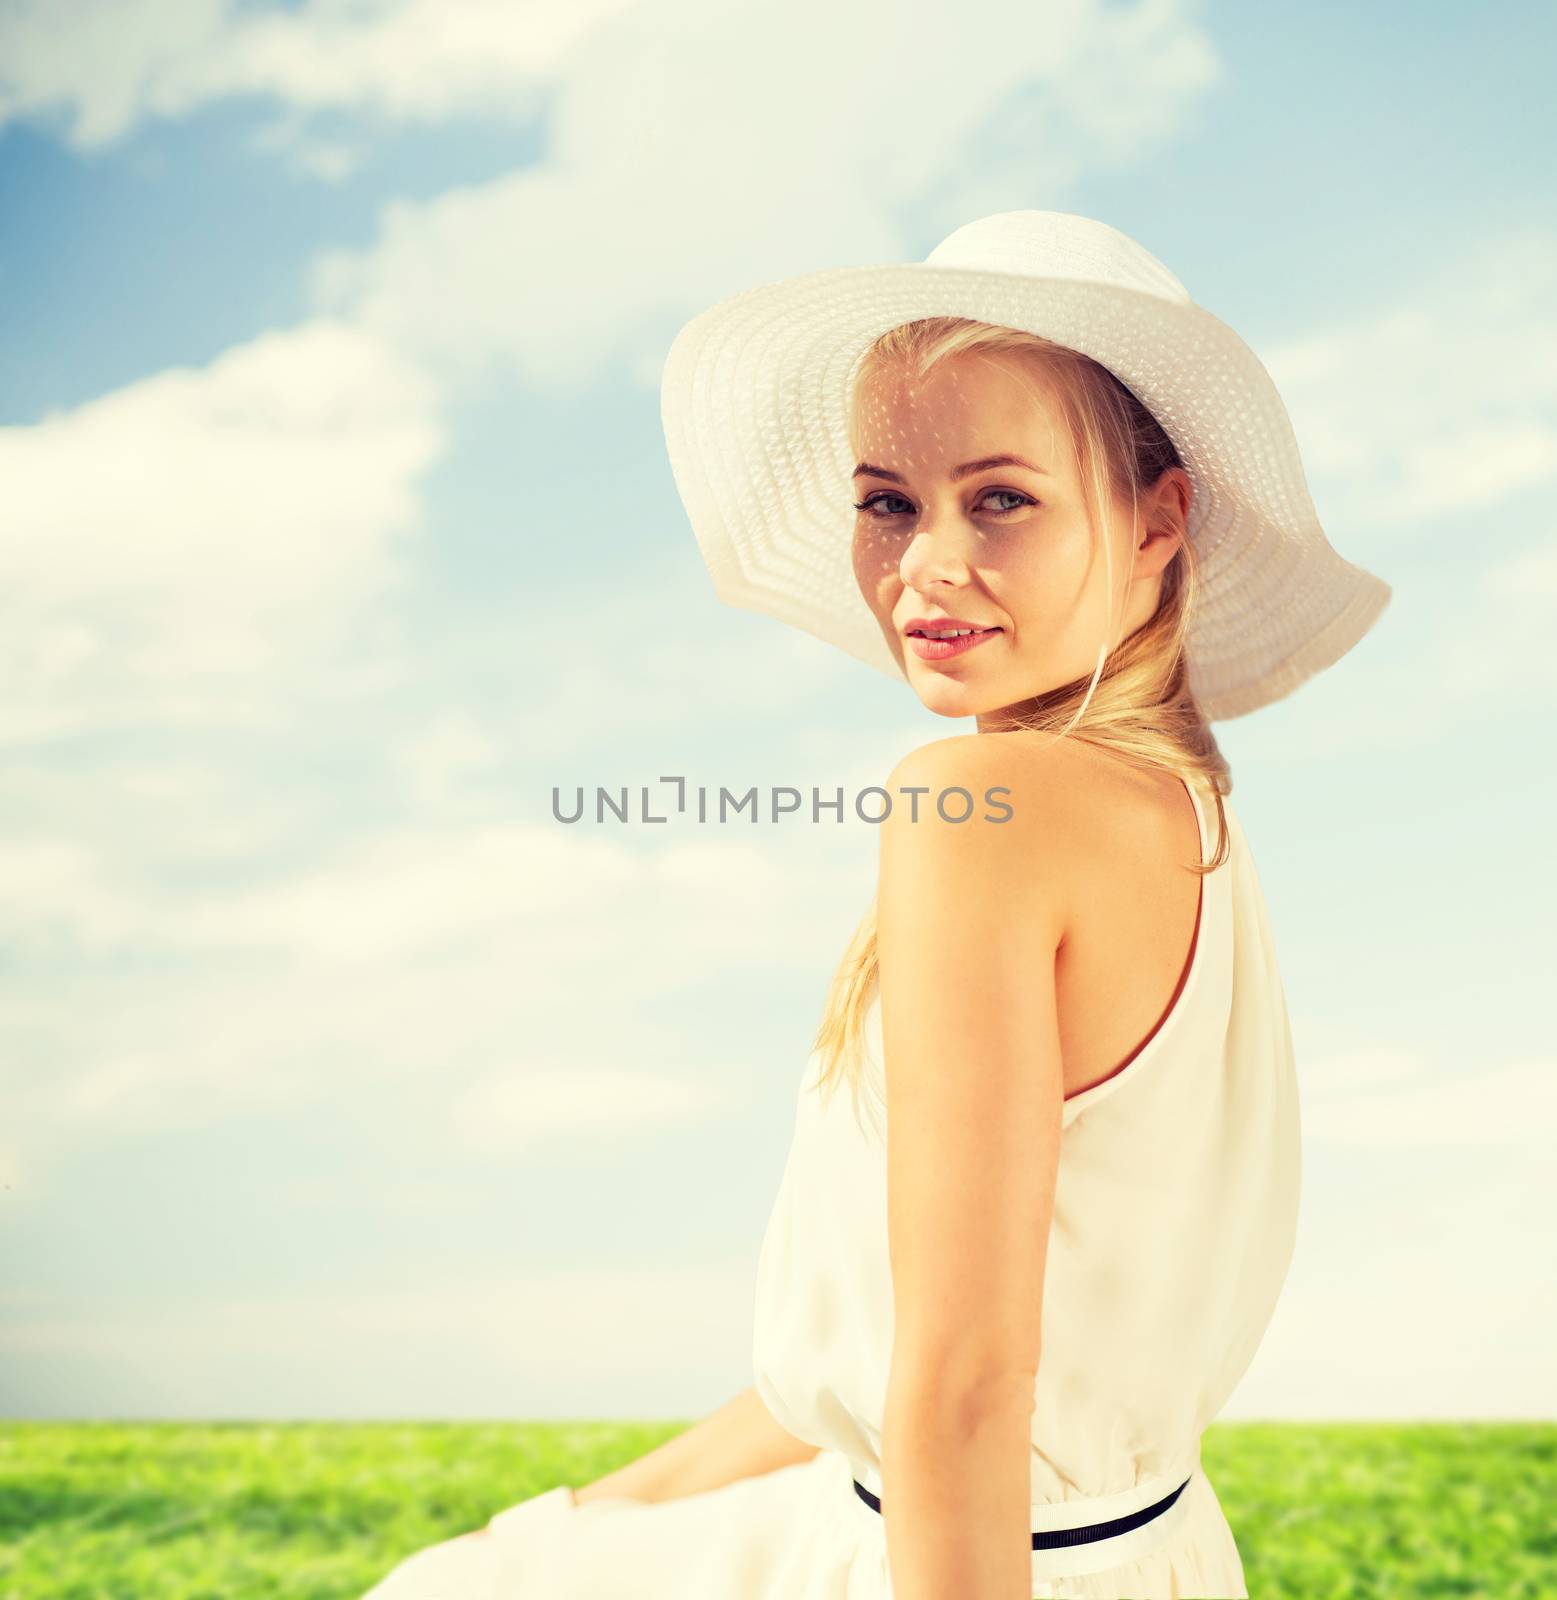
(948, 698)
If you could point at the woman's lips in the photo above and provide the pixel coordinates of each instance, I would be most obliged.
(944, 649)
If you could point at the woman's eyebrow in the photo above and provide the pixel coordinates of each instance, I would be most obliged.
(865, 469)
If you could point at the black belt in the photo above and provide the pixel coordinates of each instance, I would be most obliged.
(1059, 1538)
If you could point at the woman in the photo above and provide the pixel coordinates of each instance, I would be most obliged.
(987, 1347)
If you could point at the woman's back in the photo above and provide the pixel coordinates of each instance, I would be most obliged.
(1174, 1221)
(1134, 910)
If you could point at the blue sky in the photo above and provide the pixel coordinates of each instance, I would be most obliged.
(338, 1080)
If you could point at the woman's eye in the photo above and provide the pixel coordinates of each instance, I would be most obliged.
(1018, 496)
(871, 502)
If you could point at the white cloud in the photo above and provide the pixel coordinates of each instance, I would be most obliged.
(1395, 1100)
(1438, 405)
(1499, 649)
(506, 1112)
(1424, 1243)
(441, 763)
(644, 678)
(1081, 84)
(1480, 649)
(325, 159)
(182, 548)
(1429, 433)
(1525, 576)
(698, 149)
(669, 1338)
(111, 64)
(1421, 1246)
(434, 974)
(103, 62)
(1327, 1080)
(1391, 1315)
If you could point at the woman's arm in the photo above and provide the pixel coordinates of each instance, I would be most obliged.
(739, 1440)
(968, 921)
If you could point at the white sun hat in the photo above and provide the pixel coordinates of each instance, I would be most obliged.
(754, 400)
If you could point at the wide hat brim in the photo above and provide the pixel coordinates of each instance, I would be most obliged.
(754, 397)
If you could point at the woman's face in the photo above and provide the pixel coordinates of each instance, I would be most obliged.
(948, 536)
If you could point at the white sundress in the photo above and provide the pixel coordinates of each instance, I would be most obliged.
(1175, 1218)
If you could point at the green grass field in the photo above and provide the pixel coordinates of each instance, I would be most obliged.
(320, 1511)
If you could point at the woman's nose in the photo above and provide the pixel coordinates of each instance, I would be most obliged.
(935, 553)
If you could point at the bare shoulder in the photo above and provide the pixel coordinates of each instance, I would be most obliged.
(1013, 863)
(1067, 808)
(1040, 781)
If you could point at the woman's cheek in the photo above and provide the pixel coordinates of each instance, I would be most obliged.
(877, 576)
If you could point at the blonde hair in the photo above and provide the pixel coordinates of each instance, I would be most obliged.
(1136, 702)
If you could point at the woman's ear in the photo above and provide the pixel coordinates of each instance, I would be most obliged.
(1164, 516)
